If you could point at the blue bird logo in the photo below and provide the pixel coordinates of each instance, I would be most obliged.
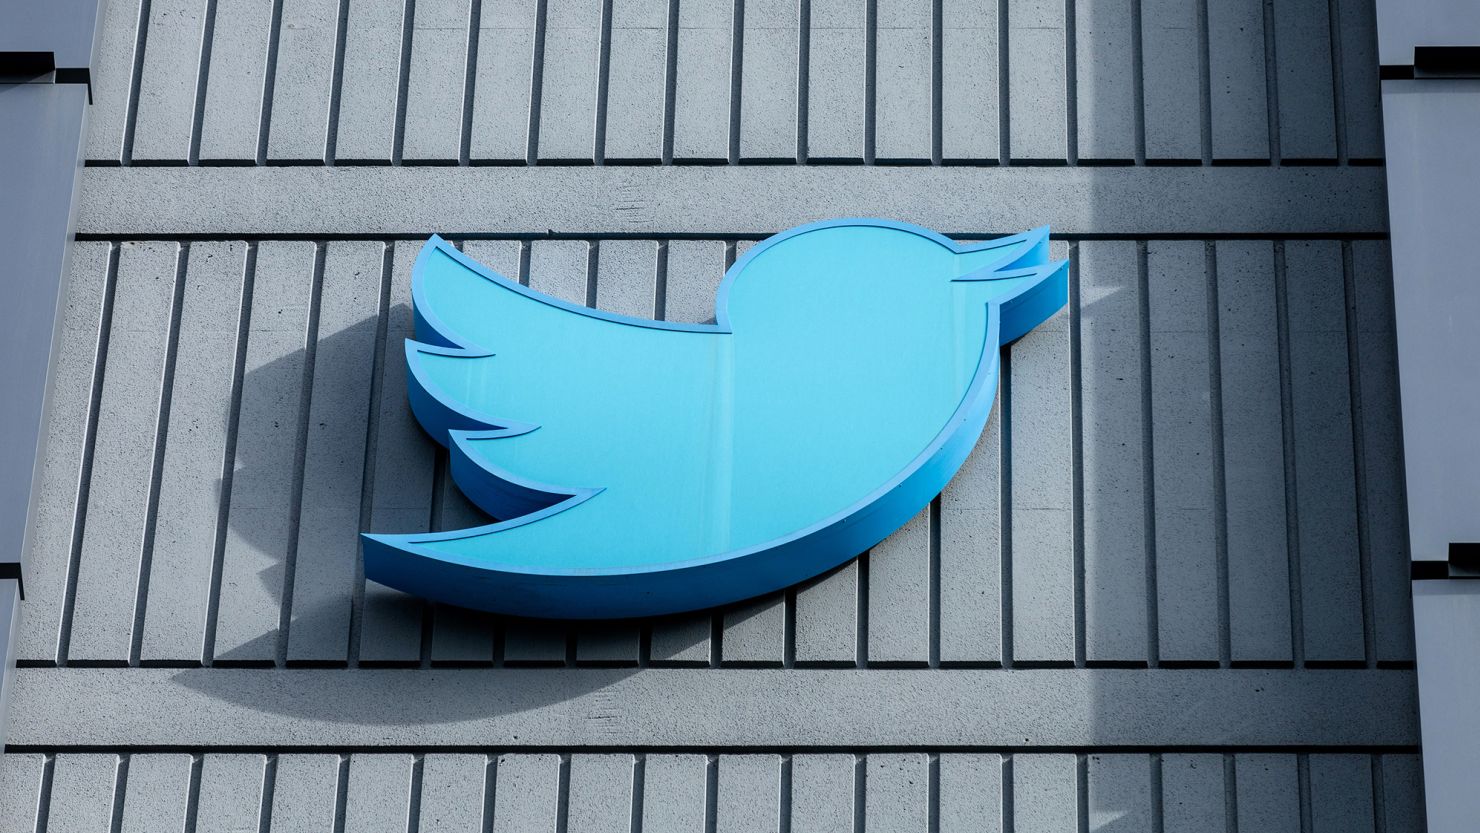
(644, 467)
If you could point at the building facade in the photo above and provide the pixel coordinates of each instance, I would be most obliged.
(1168, 591)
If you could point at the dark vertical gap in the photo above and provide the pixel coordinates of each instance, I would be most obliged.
(269, 789)
(783, 821)
(860, 650)
(371, 452)
(1138, 80)
(1302, 768)
(1148, 470)
(804, 77)
(639, 786)
(1220, 463)
(1009, 814)
(563, 796)
(1205, 83)
(1379, 799)
(536, 85)
(156, 471)
(1230, 792)
(932, 612)
(789, 628)
(1076, 451)
(593, 263)
(1359, 455)
(336, 84)
(603, 82)
(120, 786)
(269, 81)
(526, 249)
(1071, 84)
(490, 786)
(403, 83)
(43, 799)
(716, 639)
(341, 794)
(413, 807)
(310, 352)
(192, 793)
(711, 789)
(228, 461)
(1271, 82)
(1081, 792)
(860, 791)
(932, 793)
(1158, 795)
(660, 283)
(870, 80)
(737, 64)
(1287, 411)
(89, 447)
(1004, 477)
(937, 82)
(202, 80)
(1004, 89)
(1338, 93)
(470, 83)
(136, 81)
(670, 83)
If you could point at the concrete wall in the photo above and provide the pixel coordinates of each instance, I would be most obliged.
(1169, 591)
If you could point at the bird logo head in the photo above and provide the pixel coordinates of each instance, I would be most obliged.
(644, 467)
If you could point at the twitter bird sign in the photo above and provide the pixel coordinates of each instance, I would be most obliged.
(644, 467)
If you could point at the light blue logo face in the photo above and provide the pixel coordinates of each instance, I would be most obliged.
(643, 467)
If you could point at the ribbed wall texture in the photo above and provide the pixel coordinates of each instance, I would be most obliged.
(1167, 592)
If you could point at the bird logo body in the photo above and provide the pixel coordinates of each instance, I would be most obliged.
(644, 467)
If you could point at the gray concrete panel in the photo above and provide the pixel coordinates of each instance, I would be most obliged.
(1037, 79)
(1302, 60)
(54, 531)
(970, 89)
(259, 534)
(568, 89)
(1112, 431)
(230, 796)
(120, 503)
(1237, 95)
(904, 118)
(778, 707)
(768, 80)
(165, 117)
(637, 81)
(703, 80)
(298, 125)
(436, 81)
(503, 89)
(822, 793)
(1325, 496)
(192, 484)
(837, 57)
(707, 200)
(1183, 468)
(1172, 79)
(1254, 456)
(1105, 75)
(231, 120)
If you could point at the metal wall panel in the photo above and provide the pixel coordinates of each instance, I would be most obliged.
(648, 81)
(1166, 591)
